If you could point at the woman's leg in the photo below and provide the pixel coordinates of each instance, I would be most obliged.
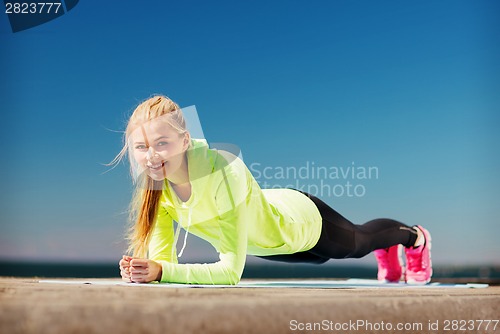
(342, 239)
(301, 257)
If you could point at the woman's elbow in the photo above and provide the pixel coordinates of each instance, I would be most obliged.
(235, 279)
(232, 278)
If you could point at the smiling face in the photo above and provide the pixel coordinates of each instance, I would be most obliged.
(159, 150)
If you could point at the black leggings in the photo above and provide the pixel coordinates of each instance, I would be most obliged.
(342, 239)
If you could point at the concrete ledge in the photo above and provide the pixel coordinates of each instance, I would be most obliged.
(30, 307)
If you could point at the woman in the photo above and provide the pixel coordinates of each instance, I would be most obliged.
(213, 195)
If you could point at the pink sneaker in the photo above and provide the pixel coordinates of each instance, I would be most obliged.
(418, 261)
(390, 264)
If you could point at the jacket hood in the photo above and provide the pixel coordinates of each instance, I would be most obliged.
(201, 161)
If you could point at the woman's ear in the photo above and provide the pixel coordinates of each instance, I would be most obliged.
(187, 140)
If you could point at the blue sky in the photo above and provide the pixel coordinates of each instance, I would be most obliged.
(408, 87)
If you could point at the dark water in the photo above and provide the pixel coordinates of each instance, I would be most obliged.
(490, 274)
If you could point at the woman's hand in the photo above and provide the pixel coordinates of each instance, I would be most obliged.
(125, 268)
(144, 270)
(139, 270)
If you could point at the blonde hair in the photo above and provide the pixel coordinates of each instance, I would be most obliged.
(145, 200)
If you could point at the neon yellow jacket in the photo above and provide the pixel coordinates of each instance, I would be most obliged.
(228, 209)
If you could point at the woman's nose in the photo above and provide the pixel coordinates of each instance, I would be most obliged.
(151, 154)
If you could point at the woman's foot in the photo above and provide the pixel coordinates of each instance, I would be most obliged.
(418, 259)
(390, 264)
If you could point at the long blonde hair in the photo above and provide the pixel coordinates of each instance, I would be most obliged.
(144, 204)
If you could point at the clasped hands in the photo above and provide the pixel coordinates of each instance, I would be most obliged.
(139, 270)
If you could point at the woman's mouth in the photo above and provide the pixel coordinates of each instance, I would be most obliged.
(156, 166)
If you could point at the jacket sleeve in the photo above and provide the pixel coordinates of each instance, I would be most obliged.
(161, 246)
(231, 198)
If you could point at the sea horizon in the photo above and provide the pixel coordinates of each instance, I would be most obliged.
(59, 269)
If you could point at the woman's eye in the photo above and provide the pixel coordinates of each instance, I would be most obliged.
(140, 147)
(162, 143)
